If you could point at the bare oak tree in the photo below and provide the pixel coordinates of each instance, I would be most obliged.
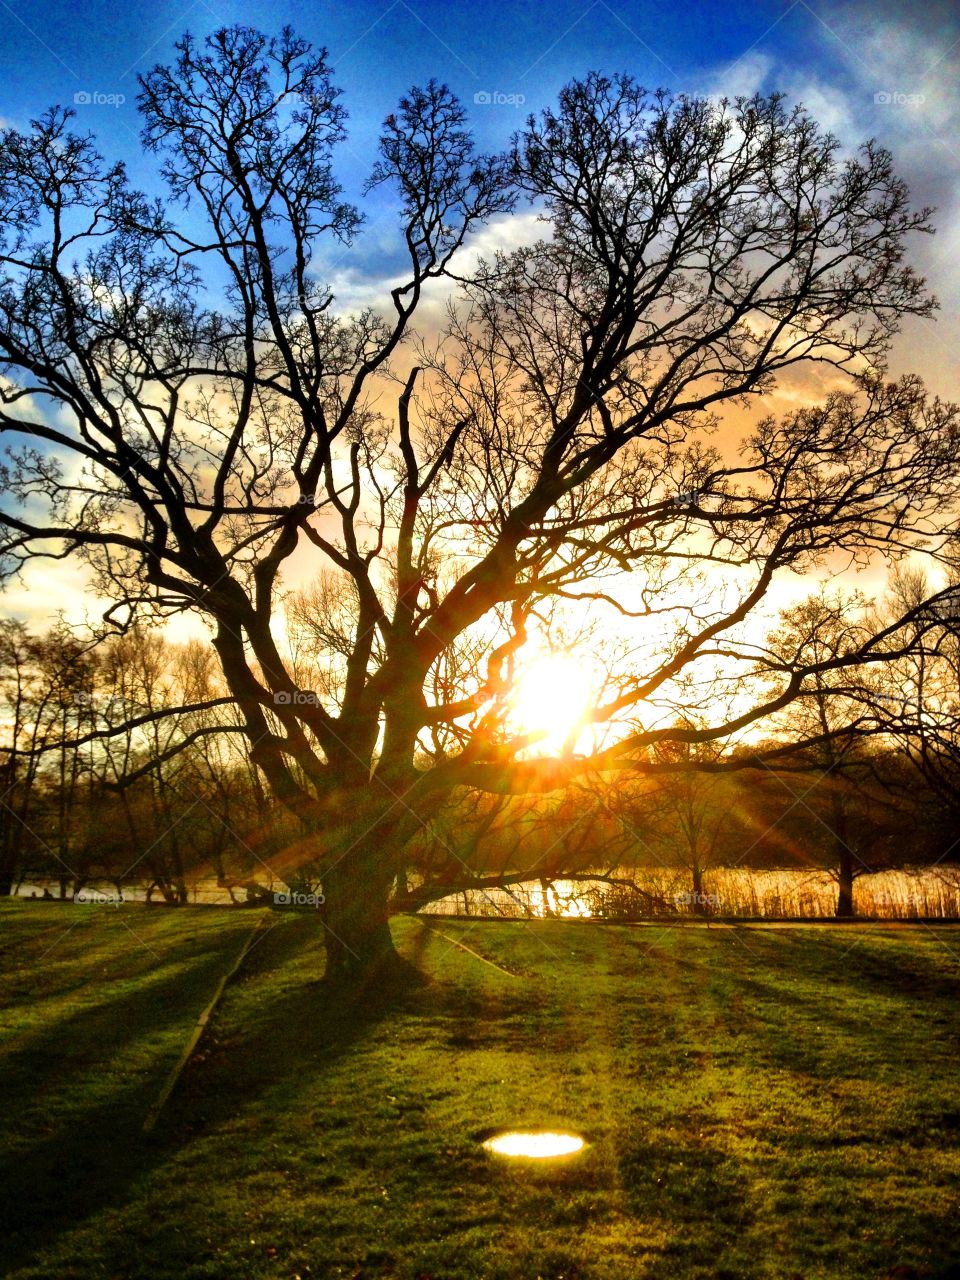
(192, 416)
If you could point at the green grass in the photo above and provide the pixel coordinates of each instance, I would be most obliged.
(759, 1101)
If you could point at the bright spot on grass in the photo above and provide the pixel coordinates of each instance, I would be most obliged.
(537, 1146)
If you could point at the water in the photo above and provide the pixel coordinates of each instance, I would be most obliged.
(932, 893)
(776, 892)
(206, 892)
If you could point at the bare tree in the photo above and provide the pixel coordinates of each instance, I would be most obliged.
(24, 700)
(189, 411)
(46, 685)
(915, 701)
(686, 814)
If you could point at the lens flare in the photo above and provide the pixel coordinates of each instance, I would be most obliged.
(536, 1146)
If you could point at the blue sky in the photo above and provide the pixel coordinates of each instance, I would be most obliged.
(512, 47)
(836, 58)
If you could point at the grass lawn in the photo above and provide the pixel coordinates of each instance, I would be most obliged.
(759, 1101)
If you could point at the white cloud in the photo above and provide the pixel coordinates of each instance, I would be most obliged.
(49, 587)
(355, 287)
(743, 78)
(913, 69)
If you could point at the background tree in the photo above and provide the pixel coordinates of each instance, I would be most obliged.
(689, 817)
(46, 685)
(120, 765)
(860, 805)
(23, 724)
(188, 411)
(914, 703)
(921, 692)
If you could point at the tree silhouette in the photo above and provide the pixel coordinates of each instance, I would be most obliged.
(192, 416)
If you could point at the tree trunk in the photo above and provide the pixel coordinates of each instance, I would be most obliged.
(845, 863)
(845, 881)
(356, 914)
(696, 875)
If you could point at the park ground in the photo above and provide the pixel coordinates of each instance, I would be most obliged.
(778, 1101)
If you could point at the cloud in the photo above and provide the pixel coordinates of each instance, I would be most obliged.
(47, 588)
(357, 285)
(750, 74)
(872, 72)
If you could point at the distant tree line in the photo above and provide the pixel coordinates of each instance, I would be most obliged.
(859, 775)
(77, 802)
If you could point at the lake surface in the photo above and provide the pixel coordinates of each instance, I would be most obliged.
(727, 891)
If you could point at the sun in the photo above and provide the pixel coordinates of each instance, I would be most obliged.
(552, 696)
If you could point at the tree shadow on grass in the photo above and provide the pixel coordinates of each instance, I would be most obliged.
(295, 1033)
(698, 1197)
(255, 1105)
(83, 1150)
(88, 1162)
(273, 1094)
(705, 1203)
